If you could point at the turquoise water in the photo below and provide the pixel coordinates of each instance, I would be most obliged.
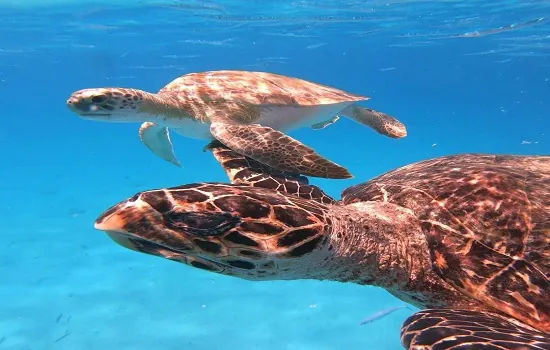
(464, 76)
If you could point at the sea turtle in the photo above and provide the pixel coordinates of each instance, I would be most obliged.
(247, 111)
(463, 237)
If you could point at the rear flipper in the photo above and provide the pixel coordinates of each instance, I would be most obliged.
(279, 151)
(382, 123)
(157, 139)
(446, 329)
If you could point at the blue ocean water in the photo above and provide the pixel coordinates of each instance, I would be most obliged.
(463, 75)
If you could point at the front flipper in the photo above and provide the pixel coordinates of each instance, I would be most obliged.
(273, 148)
(157, 139)
(246, 171)
(380, 122)
(444, 329)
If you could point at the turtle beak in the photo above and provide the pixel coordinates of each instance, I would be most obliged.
(112, 219)
(133, 217)
(121, 223)
(123, 216)
(87, 108)
(114, 223)
(78, 105)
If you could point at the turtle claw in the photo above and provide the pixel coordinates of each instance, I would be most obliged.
(213, 144)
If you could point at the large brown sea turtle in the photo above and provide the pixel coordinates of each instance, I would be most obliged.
(247, 111)
(464, 237)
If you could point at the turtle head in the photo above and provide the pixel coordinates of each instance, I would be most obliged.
(247, 232)
(110, 104)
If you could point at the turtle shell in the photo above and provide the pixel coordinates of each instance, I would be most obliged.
(257, 88)
(487, 223)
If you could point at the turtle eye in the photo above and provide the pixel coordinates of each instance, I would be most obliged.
(200, 224)
(99, 98)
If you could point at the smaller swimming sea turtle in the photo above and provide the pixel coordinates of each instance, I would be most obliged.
(464, 237)
(250, 112)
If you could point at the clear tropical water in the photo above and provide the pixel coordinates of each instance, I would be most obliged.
(464, 76)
